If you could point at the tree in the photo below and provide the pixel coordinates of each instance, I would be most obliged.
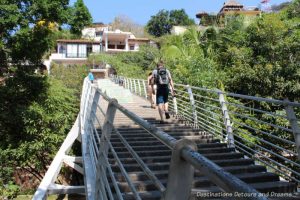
(159, 24)
(162, 23)
(124, 23)
(80, 17)
(180, 18)
(29, 120)
(25, 28)
(31, 131)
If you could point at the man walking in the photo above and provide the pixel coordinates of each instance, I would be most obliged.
(163, 80)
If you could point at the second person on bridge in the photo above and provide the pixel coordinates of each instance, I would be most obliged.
(163, 80)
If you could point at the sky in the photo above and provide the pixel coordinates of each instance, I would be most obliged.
(140, 11)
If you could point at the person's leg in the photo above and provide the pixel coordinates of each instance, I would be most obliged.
(166, 105)
(161, 111)
(160, 103)
(150, 96)
(154, 95)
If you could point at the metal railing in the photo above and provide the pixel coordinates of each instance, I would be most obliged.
(97, 128)
(264, 129)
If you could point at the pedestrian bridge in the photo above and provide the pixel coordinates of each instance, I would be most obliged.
(216, 145)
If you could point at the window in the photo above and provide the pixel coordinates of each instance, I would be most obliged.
(62, 49)
(82, 51)
(72, 50)
(131, 47)
(111, 46)
(120, 46)
(99, 33)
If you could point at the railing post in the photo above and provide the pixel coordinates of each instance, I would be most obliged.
(130, 85)
(192, 102)
(108, 126)
(175, 105)
(294, 125)
(226, 118)
(134, 84)
(124, 82)
(145, 89)
(181, 173)
(140, 90)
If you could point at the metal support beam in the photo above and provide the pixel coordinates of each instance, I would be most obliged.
(73, 165)
(63, 189)
(145, 89)
(181, 173)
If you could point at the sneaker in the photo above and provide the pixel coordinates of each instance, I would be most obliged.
(167, 115)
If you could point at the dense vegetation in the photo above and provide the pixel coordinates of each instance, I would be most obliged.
(36, 111)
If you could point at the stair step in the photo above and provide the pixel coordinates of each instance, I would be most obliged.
(167, 159)
(186, 131)
(149, 137)
(197, 139)
(164, 128)
(149, 195)
(164, 164)
(255, 178)
(264, 187)
(163, 147)
(212, 156)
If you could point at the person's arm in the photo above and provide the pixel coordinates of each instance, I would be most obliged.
(148, 80)
(171, 84)
(152, 85)
(172, 87)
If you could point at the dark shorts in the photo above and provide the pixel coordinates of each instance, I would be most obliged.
(162, 95)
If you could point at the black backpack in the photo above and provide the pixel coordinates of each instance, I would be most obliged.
(162, 76)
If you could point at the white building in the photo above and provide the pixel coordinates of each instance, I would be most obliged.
(99, 39)
(95, 39)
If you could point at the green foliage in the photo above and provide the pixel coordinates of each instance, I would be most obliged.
(131, 64)
(36, 111)
(9, 190)
(159, 24)
(187, 61)
(71, 76)
(180, 18)
(25, 29)
(34, 129)
(80, 17)
(266, 54)
(162, 23)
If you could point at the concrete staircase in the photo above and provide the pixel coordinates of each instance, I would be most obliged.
(157, 156)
